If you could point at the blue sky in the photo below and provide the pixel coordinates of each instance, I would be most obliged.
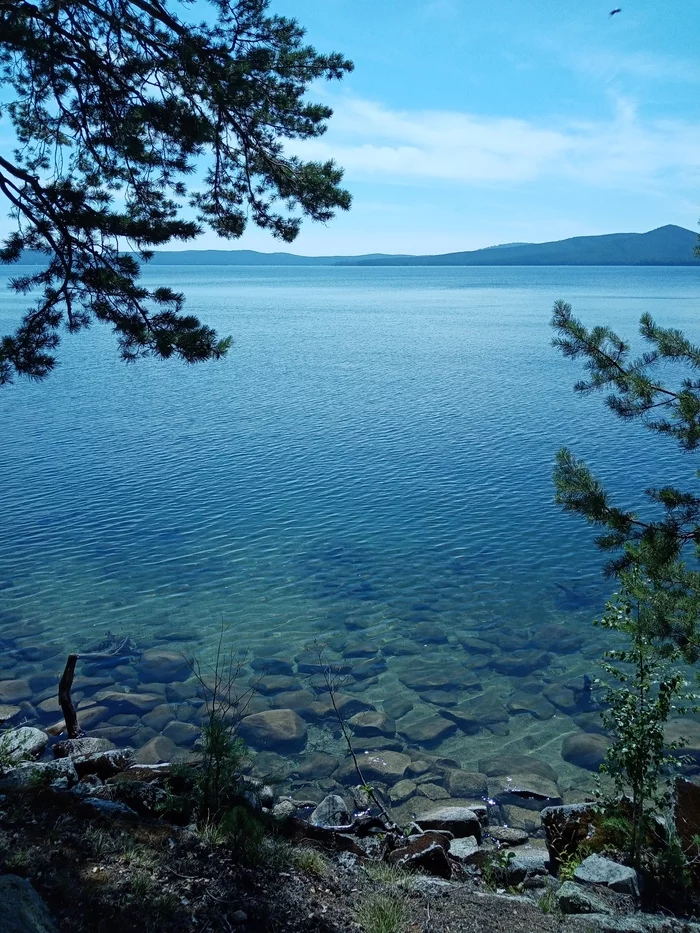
(469, 123)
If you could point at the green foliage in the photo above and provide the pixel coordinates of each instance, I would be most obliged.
(648, 690)
(383, 913)
(312, 862)
(115, 105)
(660, 545)
(384, 873)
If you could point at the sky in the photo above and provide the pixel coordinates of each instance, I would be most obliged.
(468, 123)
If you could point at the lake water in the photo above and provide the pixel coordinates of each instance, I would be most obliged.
(370, 466)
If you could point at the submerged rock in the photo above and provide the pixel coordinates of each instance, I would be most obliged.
(159, 665)
(465, 783)
(584, 750)
(429, 731)
(386, 767)
(279, 729)
(13, 691)
(371, 723)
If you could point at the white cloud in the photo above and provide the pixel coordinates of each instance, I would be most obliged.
(376, 143)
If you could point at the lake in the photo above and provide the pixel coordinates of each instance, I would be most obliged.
(370, 467)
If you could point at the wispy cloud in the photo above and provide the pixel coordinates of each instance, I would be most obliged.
(374, 142)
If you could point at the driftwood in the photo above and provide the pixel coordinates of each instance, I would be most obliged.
(64, 699)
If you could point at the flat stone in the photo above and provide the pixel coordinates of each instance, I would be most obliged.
(316, 765)
(440, 677)
(465, 783)
(160, 665)
(322, 709)
(21, 908)
(584, 750)
(331, 811)
(129, 702)
(13, 691)
(520, 663)
(562, 697)
(402, 791)
(157, 750)
(277, 683)
(459, 821)
(277, 729)
(603, 871)
(23, 743)
(396, 707)
(429, 731)
(433, 791)
(537, 706)
(272, 666)
(86, 745)
(372, 723)
(530, 791)
(508, 835)
(573, 899)
(105, 763)
(504, 765)
(385, 767)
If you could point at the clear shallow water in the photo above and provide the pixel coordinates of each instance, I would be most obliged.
(375, 453)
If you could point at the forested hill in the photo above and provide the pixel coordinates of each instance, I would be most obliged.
(665, 246)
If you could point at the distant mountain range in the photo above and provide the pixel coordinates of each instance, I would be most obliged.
(665, 246)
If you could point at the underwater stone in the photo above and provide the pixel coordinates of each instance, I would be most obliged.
(465, 783)
(8, 712)
(387, 767)
(428, 633)
(276, 683)
(347, 706)
(163, 666)
(562, 697)
(536, 706)
(521, 663)
(402, 791)
(372, 723)
(687, 730)
(316, 765)
(369, 667)
(585, 750)
(272, 666)
(432, 791)
(377, 743)
(12, 691)
(129, 702)
(530, 791)
(182, 733)
(429, 731)
(280, 729)
(158, 750)
(503, 765)
(360, 649)
(396, 707)
(159, 717)
(446, 676)
(476, 645)
(401, 647)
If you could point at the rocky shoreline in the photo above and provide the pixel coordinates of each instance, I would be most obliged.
(450, 851)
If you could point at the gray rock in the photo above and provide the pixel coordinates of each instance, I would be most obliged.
(284, 809)
(278, 729)
(507, 765)
(13, 691)
(23, 743)
(428, 731)
(158, 750)
(8, 712)
(129, 702)
(104, 764)
(396, 707)
(635, 923)
(87, 745)
(182, 733)
(465, 850)
(110, 808)
(402, 791)
(566, 828)
(28, 774)
(508, 835)
(425, 853)
(459, 821)
(525, 866)
(331, 811)
(21, 908)
(573, 899)
(528, 791)
(603, 871)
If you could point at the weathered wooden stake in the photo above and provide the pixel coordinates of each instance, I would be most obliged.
(64, 698)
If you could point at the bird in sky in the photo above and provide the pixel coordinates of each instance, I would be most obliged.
(618, 10)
